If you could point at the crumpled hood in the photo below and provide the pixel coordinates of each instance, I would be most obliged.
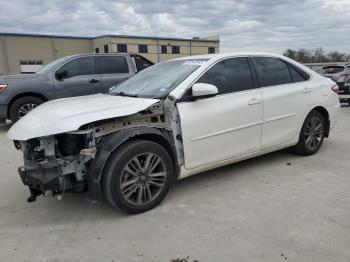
(68, 114)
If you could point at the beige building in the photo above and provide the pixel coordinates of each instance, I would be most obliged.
(26, 53)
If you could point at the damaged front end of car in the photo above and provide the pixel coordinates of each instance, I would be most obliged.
(74, 161)
(57, 164)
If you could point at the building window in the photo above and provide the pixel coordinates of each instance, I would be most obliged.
(164, 49)
(105, 48)
(175, 49)
(143, 49)
(122, 48)
(30, 66)
(211, 50)
(97, 50)
(31, 62)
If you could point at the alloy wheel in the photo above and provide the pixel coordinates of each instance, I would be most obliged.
(313, 133)
(25, 109)
(143, 178)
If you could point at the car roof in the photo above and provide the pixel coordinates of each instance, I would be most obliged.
(99, 54)
(230, 54)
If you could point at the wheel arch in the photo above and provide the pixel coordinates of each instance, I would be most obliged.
(112, 142)
(323, 111)
(18, 96)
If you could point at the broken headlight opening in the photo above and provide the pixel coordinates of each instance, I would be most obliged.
(56, 164)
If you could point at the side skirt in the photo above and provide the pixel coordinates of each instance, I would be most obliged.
(189, 172)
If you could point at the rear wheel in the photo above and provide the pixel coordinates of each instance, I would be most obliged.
(23, 106)
(311, 135)
(137, 176)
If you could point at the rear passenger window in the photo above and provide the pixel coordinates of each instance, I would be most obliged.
(113, 65)
(79, 66)
(230, 75)
(272, 71)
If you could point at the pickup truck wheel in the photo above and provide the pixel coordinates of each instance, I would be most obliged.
(311, 135)
(23, 106)
(137, 176)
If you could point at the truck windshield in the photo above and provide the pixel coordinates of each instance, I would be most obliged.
(49, 66)
(159, 80)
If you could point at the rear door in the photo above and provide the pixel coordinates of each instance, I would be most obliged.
(287, 97)
(227, 125)
(114, 70)
(81, 78)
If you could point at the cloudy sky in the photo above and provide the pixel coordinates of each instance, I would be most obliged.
(256, 25)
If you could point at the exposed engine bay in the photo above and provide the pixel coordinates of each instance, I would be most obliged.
(56, 164)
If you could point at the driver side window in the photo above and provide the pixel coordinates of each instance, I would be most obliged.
(79, 66)
(230, 75)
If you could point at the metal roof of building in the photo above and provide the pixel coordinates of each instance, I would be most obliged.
(100, 36)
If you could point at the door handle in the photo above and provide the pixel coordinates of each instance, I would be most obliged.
(306, 90)
(93, 81)
(254, 101)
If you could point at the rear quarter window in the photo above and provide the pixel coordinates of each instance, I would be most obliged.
(297, 74)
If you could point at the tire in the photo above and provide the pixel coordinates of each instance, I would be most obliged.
(132, 189)
(311, 135)
(22, 106)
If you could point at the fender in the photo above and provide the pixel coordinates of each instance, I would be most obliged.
(109, 144)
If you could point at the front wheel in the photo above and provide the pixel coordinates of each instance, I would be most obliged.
(137, 176)
(311, 135)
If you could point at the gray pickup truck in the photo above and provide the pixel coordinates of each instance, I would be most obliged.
(75, 75)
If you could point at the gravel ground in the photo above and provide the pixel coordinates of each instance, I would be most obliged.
(278, 207)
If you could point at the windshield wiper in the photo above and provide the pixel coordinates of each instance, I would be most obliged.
(123, 94)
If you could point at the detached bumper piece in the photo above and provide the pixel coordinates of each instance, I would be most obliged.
(40, 178)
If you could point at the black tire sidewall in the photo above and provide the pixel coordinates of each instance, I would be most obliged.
(13, 113)
(302, 144)
(121, 158)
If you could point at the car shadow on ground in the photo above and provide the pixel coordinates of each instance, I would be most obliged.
(74, 205)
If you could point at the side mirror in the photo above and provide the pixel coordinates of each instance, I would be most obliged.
(204, 90)
(60, 74)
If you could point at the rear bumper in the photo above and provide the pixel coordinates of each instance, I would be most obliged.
(3, 113)
(333, 112)
(344, 97)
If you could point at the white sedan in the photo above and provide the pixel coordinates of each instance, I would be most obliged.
(172, 120)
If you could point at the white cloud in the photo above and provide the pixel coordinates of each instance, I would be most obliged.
(269, 25)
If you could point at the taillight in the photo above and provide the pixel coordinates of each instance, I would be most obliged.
(343, 76)
(335, 89)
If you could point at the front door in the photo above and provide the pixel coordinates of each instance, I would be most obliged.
(225, 126)
(81, 78)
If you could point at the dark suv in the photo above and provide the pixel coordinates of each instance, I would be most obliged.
(69, 76)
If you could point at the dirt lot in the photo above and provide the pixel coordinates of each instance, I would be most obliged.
(279, 207)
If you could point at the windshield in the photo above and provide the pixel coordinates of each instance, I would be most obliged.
(159, 80)
(332, 69)
(50, 65)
